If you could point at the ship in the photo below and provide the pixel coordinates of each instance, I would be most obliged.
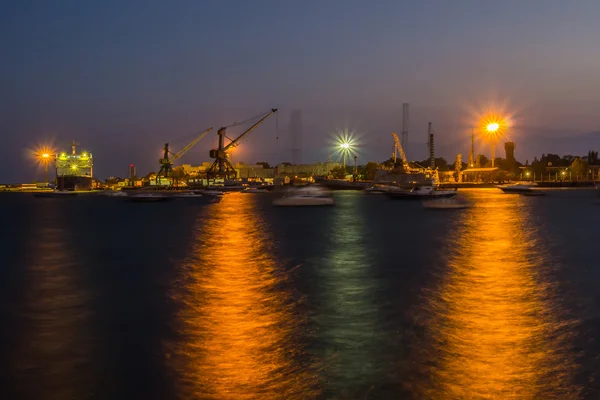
(74, 171)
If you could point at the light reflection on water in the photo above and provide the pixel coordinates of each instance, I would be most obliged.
(236, 322)
(349, 334)
(53, 355)
(497, 329)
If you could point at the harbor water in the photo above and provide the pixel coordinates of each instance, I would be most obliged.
(370, 299)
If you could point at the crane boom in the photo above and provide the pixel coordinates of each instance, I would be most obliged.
(236, 140)
(398, 146)
(166, 163)
(190, 145)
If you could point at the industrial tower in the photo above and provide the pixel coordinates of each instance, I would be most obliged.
(404, 124)
(472, 152)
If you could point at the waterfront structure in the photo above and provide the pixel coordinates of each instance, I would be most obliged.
(304, 170)
(242, 170)
(479, 175)
(74, 170)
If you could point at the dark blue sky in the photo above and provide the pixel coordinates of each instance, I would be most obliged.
(123, 77)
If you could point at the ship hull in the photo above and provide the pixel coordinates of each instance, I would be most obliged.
(74, 183)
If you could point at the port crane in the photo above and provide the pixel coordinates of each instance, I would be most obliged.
(166, 162)
(222, 167)
(398, 149)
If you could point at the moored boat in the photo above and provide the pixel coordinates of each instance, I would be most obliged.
(377, 189)
(57, 193)
(148, 198)
(519, 187)
(420, 193)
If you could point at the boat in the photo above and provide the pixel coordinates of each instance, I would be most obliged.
(254, 190)
(114, 193)
(148, 198)
(56, 193)
(419, 193)
(447, 203)
(74, 170)
(377, 189)
(187, 195)
(306, 196)
(519, 187)
(209, 192)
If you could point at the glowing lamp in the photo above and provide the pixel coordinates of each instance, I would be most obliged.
(345, 146)
(493, 127)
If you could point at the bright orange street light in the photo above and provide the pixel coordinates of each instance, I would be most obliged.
(493, 127)
(43, 156)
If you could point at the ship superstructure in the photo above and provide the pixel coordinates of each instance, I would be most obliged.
(74, 170)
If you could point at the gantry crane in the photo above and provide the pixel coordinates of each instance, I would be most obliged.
(221, 167)
(166, 163)
(398, 149)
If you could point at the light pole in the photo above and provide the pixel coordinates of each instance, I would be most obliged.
(491, 131)
(46, 161)
(345, 148)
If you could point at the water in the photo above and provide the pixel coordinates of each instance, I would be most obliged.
(372, 299)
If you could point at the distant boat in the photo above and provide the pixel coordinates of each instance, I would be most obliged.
(148, 198)
(187, 195)
(419, 193)
(519, 187)
(255, 190)
(306, 196)
(377, 189)
(56, 193)
(114, 193)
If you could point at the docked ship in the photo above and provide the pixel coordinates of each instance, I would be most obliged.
(74, 171)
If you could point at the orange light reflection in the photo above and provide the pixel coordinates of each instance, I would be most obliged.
(498, 328)
(235, 322)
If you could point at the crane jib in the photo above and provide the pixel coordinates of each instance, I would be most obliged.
(233, 142)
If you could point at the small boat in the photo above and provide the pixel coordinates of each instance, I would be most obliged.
(377, 189)
(115, 193)
(306, 196)
(187, 195)
(148, 198)
(420, 193)
(519, 187)
(209, 192)
(56, 193)
(446, 203)
(254, 190)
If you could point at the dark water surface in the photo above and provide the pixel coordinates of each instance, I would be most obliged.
(372, 299)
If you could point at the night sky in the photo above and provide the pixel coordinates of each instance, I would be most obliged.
(124, 77)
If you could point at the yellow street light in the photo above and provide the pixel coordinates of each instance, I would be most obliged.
(493, 127)
(345, 146)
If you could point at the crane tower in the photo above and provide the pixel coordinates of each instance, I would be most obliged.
(222, 167)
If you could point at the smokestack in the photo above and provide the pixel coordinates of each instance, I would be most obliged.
(472, 152)
(431, 148)
(404, 125)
